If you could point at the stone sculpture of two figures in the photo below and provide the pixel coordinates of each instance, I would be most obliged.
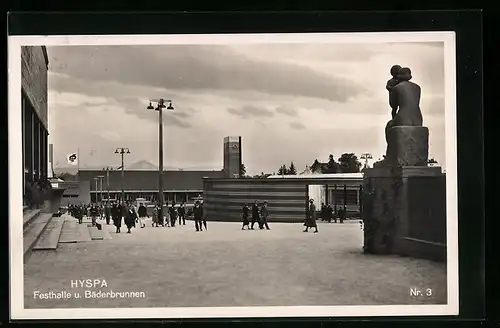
(407, 140)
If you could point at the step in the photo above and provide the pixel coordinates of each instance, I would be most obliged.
(95, 234)
(34, 231)
(72, 232)
(50, 237)
(29, 216)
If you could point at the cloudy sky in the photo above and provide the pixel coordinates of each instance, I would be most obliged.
(289, 102)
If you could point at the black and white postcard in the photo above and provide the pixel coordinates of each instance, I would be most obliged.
(251, 175)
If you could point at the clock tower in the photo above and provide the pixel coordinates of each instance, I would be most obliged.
(232, 157)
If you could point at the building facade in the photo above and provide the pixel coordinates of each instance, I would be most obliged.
(232, 157)
(35, 131)
(179, 186)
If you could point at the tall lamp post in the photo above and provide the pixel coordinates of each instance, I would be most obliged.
(107, 169)
(160, 105)
(101, 180)
(96, 179)
(122, 151)
(366, 157)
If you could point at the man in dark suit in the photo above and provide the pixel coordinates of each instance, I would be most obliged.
(107, 213)
(182, 214)
(255, 214)
(116, 214)
(264, 212)
(143, 213)
(173, 214)
(198, 216)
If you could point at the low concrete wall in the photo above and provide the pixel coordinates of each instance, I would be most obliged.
(404, 212)
(223, 199)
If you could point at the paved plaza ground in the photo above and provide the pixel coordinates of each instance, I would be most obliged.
(225, 266)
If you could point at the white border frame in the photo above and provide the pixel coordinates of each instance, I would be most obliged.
(18, 312)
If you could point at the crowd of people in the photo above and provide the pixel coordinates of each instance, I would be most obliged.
(132, 216)
(260, 214)
(257, 214)
(329, 214)
(173, 215)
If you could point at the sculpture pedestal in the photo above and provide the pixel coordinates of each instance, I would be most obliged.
(404, 211)
(408, 146)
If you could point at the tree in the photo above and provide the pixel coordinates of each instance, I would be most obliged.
(292, 170)
(332, 166)
(243, 170)
(282, 170)
(316, 166)
(349, 163)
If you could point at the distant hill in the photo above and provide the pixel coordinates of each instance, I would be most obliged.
(142, 165)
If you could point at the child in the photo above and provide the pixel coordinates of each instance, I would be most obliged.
(392, 83)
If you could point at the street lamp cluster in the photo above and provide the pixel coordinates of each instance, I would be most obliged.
(107, 169)
(98, 187)
(122, 151)
(160, 105)
(366, 157)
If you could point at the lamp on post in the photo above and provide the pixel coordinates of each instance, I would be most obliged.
(366, 157)
(107, 169)
(96, 179)
(122, 151)
(101, 180)
(160, 105)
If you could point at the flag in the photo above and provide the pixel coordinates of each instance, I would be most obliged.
(72, 158)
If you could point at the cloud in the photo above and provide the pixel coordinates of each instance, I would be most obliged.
(297, 126)
(108, 135)
(249, 111)
(282, 100)
(180, 67)
(286, 111)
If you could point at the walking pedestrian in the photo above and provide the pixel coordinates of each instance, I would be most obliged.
(245, 213)
(329, 213)
(255, 214)
(182, 214)
(203, 217)
(342, 214)
(130, 218)
(94, 212)
(79, 214)
(323, 212)
(116, 214)
(107, 213)
(155, 216)
(264, 213)
(161, 215)
(198, 216)
(173, 214)
(143, 213)
(311, 221)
